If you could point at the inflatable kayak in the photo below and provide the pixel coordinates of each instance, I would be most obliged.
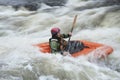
(98, 49)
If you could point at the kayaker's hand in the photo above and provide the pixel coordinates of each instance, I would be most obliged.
(70, 34)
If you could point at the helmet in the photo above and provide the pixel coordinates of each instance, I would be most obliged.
(54, 31)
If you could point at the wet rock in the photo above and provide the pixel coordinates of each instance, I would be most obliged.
(32, 7)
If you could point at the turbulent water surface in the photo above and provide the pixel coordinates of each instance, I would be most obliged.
(98, 21)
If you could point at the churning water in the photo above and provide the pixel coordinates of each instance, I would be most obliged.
(98, 21)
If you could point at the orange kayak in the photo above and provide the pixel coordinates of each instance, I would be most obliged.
(96, 48)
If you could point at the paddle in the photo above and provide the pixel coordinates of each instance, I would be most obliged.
(73, 25)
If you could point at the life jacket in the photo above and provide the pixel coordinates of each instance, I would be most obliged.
(57, 44)
(54, 45)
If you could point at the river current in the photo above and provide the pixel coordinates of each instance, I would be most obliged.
(98, 21)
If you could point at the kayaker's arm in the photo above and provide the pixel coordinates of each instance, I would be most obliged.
(65, 35)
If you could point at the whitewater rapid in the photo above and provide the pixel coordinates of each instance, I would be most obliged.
(19, 30)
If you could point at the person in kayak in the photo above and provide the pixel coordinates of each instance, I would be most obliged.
(58, 44)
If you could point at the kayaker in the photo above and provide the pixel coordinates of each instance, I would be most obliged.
(58, 44)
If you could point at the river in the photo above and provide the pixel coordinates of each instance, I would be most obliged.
(98, 21)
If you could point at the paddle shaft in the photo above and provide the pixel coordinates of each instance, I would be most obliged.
(73, 25)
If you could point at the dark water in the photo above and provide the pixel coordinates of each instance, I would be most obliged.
(99, 3)
(32, 4)
(36, 4)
